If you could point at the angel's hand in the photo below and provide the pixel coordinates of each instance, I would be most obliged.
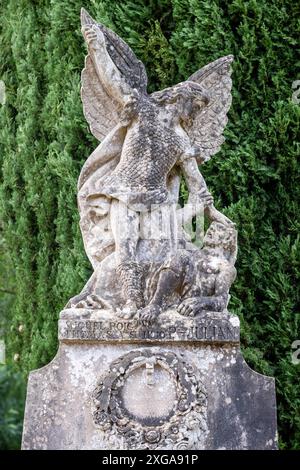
(196, 152)
(215, 216)
(202, 197)
(93, 36)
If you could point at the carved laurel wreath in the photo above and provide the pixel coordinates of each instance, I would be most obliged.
(184, 428)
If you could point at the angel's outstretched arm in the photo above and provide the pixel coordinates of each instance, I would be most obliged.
(198, 192)
(107, 71)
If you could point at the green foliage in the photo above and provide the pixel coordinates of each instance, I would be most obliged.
(44, 141)
(7, 287)
(12, 393)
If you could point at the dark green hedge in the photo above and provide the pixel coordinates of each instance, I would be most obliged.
(12, 393)
(45, 140)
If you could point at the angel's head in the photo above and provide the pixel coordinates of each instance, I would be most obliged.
(184, 99)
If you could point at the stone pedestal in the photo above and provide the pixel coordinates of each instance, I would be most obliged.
(180, 383)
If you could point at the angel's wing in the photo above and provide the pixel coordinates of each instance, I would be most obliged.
(207, 127)
(101, 111)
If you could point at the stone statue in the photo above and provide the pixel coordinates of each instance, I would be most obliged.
(149, 356)
(129, 186)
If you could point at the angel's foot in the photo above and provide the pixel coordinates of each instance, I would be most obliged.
(90, 301)
(150, 312)
(189, 307)
(129, 310)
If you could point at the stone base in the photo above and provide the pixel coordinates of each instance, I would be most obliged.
(153, 388)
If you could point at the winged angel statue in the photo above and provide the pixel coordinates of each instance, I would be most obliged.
(129, 186)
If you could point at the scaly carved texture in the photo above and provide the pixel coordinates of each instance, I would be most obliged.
(150, 152)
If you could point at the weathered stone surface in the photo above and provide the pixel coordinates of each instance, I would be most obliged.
(232, 407)
(80, 325)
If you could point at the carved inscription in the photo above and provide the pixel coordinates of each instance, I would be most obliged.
(204, 330)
